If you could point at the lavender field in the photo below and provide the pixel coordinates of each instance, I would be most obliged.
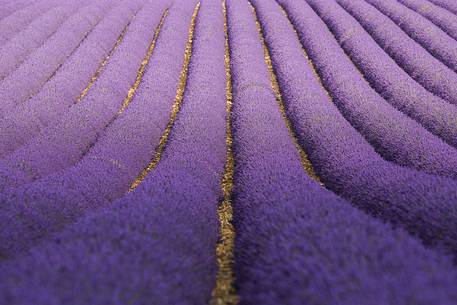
(223, 152)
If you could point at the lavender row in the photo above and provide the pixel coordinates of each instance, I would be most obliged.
(415, 60)
(436, 14)
(110, 164)
(423, 204)
(449, 5)
(13, 6)
(65, 142)
(423, 31)
(389, 80)
(21, 19)
(16, 51)
(159, 239)
(394, 135)
(42, 64)
(144, 121)
(73, 77)
(290, 232)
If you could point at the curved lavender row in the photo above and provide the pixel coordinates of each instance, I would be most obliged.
(62, 90)
(296, 242)
(42, 63)
(436, 14)
(415, 60)
(423, 31)
(160, 239)
(13, 53)
(395, 136)
(424, 204)
(449, 5)
(21, 19)
(12, 7)
(110, 164)
(138, 126)
(387, 78)
(66, 141)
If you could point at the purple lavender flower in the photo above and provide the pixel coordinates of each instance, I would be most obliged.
(11, 7)
(63, 90)
(423, 31)
(245, 152)
(436, 14)
(160, 238)
(42, 64)
(21, 19)
(65, 142)
(14, 52)
(289, 242)
(414, 59)
(450, 5)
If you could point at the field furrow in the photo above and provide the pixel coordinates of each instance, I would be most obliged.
(11, 7)
(387, 78)
(66, 141)
(16, 51)
(449, 5)
(351, 168)
(71, 83)
(436, 14)
(395, 136)
(230, 152)
(412, 57)
(21, 20)
(43, 63)
(423, 31)
(289, 234)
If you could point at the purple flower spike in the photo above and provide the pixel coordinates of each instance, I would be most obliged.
(243, 152)
(347, 164)
(158, 242)
(11, 7)
(449, 5)
(43, 62)
(423, 31)
(73, 77)
(65, 142)
(21, 19)
(16, 51)
(396, 87)
(303, 244)
(436, 14)
(412, 57)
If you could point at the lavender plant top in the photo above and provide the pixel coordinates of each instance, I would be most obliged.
(240, 152)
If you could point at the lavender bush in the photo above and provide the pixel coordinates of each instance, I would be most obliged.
(386, 128)
(110, 156)
(20, 20)
(72, 79)
(42, 64)
(14, 53)
(12, 7)
(288, 242)
(386, 77)
(244, 152)
(446, 4)
(66, 141)
(413, 58)
(172, 212)
(423, 31)
(350, 167)
(436, 14)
